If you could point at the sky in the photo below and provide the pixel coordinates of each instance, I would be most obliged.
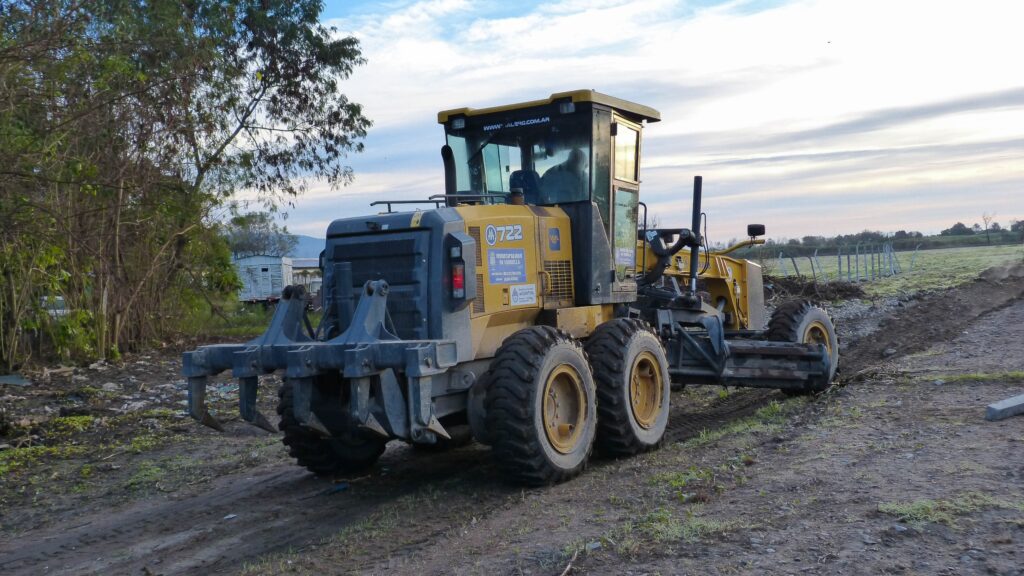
(814, 117)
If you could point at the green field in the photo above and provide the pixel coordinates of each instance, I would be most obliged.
(932, 269)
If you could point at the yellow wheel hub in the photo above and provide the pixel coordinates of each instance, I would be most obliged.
(645, 389)
(817, 333)
(565, 408)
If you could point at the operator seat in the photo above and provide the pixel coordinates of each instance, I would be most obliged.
(529, 181)
(565, 182)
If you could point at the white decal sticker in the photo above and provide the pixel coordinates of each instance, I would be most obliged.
(496, 234)
(625, 256)
(523, 294)
(517, 123)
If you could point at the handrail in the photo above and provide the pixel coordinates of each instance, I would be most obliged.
(738, 245)
(388, 203)
(469, 196)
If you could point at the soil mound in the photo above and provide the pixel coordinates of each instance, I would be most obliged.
(786, 287)
(937, 317)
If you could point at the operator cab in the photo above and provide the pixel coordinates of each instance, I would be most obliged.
(578, 150)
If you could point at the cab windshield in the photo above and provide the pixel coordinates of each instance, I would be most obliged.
(547, 157)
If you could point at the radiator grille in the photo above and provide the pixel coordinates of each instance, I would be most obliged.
(478, 302)
(559, 274)
(400, 258)
(474, 232)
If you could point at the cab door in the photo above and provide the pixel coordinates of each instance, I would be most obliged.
(625, 192)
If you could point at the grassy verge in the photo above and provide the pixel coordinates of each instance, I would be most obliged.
(932, 269)
(1010, 376)
(940, 269)
(918, 513)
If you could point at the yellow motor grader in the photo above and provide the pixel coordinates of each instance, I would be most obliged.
(530, 308)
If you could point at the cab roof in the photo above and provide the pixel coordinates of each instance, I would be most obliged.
(630, 109)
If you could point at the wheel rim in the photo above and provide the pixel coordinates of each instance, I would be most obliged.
(817, 333)
(645, 389)
(565, 408)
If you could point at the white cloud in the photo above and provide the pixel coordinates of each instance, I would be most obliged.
(727, 79)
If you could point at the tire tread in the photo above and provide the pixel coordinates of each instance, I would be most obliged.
(510, 417)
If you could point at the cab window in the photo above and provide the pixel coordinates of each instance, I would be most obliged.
(626, 140)
(546, 156)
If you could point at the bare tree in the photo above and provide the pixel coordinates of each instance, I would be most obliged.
(987, 219)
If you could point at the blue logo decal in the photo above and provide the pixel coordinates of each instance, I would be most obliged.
(554, 239)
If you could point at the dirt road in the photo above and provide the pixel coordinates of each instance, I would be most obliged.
(891, 473)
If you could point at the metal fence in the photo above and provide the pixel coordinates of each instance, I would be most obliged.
(863, 262)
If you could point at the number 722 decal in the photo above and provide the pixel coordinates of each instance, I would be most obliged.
(495, 234)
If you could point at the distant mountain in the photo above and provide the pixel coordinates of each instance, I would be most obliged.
(307, 247)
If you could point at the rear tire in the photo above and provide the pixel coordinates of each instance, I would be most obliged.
(801, 321)
(344, 453)
(633, 387)
(541, 407)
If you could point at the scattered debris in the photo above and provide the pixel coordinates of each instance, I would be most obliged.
(335, 489)
(568, 567)
(58, 371)
(338, 487)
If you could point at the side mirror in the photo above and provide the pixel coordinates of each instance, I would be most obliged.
(755, 230)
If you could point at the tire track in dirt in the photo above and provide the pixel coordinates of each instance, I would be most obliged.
(283, 508)
(276, 509)
(286, 508)
(687, 422)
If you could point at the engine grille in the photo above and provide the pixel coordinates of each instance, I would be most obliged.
(474, 233)
(401, 260)
(479, 305)
(559, 273)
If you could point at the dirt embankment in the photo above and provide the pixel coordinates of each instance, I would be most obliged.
(937, 317)
(890, 474)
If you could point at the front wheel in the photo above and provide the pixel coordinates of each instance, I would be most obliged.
(541, 406)
(633, 386)
(803, 322)
(344, 453)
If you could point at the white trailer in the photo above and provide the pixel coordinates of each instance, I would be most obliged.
(263, 277)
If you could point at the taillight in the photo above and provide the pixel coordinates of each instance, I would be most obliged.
(458, 280)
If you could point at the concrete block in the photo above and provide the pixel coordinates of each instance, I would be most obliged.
(1005, 408)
